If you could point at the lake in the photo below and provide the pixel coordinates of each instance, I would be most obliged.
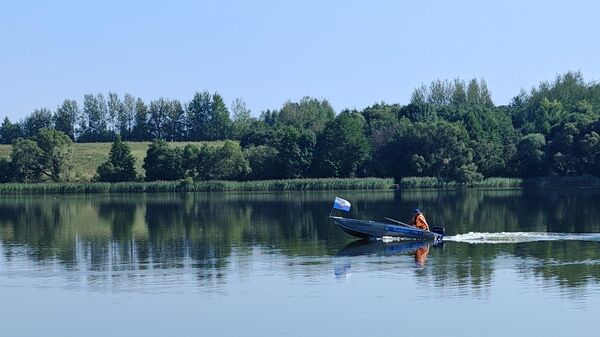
(515, 262)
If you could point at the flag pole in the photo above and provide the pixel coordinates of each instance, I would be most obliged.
(332, 207)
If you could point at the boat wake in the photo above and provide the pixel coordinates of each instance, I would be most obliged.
(517, 237)
(390, 239)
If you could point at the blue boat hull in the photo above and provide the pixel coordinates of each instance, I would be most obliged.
(369, 229)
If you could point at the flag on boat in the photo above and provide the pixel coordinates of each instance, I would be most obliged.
(341, 204)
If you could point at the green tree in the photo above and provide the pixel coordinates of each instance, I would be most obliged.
(140, 129)
(295, 149)
(263, 162)
(26, 158)
(242, 119)
(219, 126)
(198, 116)
(9, 131)
(65, 117)
(561, 150)
(120, 165)
(529, 160)
(6, 171)
(342, 147)
(48, 155)
(458, 94)
(590, 148)
(380, 120)
(115, 108)
(229, 163)
(38, 119)
(175, 128)
(440, 150)
(309, 113)
(189, 160)
(158, 118)
(163, 162)
(93, 122)
(203, 163)
(126, 117)
(57, 150)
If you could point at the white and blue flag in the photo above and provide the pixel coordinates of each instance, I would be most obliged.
(341, 204)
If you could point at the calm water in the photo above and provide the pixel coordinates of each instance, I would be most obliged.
(271, 264)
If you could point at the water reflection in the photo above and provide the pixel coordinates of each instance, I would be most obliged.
(125, 239)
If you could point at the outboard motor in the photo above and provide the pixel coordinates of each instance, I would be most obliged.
(439, 230)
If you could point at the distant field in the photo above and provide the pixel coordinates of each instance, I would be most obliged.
(88, 156)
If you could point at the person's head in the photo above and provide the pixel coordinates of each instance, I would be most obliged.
(417, 211)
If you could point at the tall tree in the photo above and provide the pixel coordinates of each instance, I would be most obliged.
(140, 129)
(219, 122)
(242, 119)
(175, 128)
(126, 117)
(65, 117)
(473, 93)
(94, 120)
(459, 95)
(198, 116)
(158, 118)
(115, 108)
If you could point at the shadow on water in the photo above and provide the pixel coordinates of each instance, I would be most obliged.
(386, 247)
(207, 232)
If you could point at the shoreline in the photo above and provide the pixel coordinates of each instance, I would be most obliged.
(308, 184)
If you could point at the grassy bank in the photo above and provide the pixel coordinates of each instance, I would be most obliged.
(433, 182)
(290, 185)
(499, 182)
(88, 156)
(208, 186)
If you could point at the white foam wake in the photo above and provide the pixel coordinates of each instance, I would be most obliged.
(389, 239)
(516, 237)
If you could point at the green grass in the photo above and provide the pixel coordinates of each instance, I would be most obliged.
(578, 181)
(501, 182)
(289, 185)
(498, 182)
(88, 156)
(208, 186)
(425, 182)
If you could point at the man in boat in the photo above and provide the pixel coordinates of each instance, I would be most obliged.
(418, 220)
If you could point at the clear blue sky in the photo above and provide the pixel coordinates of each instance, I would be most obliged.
(352, 53)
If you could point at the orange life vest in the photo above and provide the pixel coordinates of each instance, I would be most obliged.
(420, 222)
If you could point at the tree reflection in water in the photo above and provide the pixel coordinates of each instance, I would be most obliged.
(113, 235)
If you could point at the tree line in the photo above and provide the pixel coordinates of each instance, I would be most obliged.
(100, 118)
(449, 129)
